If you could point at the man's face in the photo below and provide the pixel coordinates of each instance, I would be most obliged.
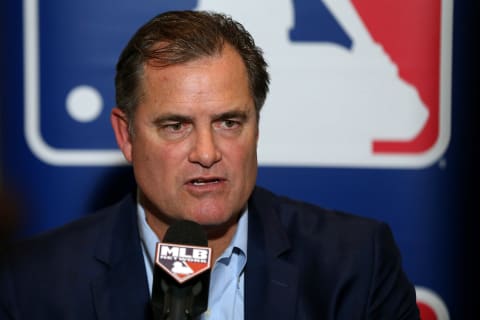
(194, 144)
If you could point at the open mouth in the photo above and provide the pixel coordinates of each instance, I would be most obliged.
(202, 182)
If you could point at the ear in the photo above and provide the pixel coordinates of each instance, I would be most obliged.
(122, 135)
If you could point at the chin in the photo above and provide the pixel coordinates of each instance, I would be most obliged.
(214, 220)
(211, 221)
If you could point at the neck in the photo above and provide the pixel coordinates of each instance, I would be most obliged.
(219, 236)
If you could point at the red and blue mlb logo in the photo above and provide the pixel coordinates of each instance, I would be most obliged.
(354, 83)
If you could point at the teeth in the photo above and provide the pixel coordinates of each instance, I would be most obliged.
(203, 182)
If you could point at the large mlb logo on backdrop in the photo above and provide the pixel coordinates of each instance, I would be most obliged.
(354, 83)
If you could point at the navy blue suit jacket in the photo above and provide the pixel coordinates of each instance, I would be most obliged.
(304, 262)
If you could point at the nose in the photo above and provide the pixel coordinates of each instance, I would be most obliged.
(205, 151)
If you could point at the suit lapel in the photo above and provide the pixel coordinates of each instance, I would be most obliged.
(271, 283)
(121, 292)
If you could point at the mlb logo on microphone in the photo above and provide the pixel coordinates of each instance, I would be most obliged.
(182, 262)
(354, 83)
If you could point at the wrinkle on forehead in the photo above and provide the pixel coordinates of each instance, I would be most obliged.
(199, 79)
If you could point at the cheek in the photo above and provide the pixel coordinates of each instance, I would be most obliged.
(156, 171)
(150, 158)
(250, 149)
(245, 158)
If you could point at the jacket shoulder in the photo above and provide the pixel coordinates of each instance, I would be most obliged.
(75, 238)
(311, 217)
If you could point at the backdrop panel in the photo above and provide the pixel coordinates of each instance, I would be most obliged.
(370, 112)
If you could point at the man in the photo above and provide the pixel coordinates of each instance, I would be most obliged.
(189, 89)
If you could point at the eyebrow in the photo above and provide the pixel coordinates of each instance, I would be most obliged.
(241, 114)
(173, 117)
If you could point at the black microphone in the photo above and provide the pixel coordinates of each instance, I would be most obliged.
(181, 276)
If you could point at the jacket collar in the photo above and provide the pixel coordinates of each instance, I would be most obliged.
(271, 281)
(121, 291)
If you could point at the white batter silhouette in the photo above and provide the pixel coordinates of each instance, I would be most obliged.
(327, 103)
(181, 268)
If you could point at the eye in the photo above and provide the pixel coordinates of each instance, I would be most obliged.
(229, 123)
(173, 130)
(173, 127)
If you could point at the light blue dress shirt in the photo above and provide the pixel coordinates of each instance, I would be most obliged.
(226, 295)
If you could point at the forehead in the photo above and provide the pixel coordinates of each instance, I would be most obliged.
(221, 78)
(225, 59)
